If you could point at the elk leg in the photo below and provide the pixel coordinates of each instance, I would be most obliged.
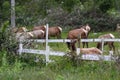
(87, 44)
(112, 44)
(73, 47)
(83, 44)
(68, 45)
(58, 36)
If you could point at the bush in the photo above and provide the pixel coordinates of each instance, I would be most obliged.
(8, 43)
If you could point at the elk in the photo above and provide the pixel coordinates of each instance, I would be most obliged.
(92, 50)
(110, 44)
(23, 36)
(55, 32)
(42, 27)
(22, 33)
(74, 34)
(37, 34)
(19, 30)
(52, 31)
(87, 28)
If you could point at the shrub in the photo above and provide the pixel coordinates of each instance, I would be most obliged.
(8, 43)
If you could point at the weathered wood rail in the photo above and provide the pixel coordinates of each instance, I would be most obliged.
(59, 53)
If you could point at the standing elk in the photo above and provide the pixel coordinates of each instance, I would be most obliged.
(22, 33)
(37, 34)
(19, 30)
(23, 36)
(52, 31)
(87, 28)
(55, 32)
(110, 44)
(43, 27)
(74, 34)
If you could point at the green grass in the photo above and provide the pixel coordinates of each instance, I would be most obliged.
(63, 68)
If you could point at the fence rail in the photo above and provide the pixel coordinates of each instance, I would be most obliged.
(58, 53)
(83, 56)
(69, 40)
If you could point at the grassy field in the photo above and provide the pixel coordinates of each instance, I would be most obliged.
(63, 68)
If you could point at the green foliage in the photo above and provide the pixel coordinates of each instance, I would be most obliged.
(64, 13)
(69, 4)
(106, 5)
(4, 27)
(5, 11)
(8, 43)
(16, 67)
(7, 71)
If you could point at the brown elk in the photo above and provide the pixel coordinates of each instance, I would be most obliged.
(23, 36)
(92, 50)
(37, 34)
(52, 31)
(55, 32)
(22, 33)
(20, 29)
(43, 27)
(87, 28)
(110, 44)
(74, 34)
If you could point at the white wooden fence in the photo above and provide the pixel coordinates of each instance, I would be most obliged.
(58, 53)
(47, 52)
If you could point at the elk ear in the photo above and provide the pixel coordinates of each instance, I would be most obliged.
(60, 29)
(31, 34)
(14, 30)
(45, 26)
(112, 35)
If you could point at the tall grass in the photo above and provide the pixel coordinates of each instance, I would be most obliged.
(7, 71)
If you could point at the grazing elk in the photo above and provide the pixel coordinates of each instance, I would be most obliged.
(37, 34)
(55, 32)
(110, 44)
(21, 33)
(43, 27)
(23, 36)
(52, 31)
(19, 30)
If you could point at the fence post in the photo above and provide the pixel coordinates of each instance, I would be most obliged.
(12, 13)
(47, 54)
(102, 45)
(110, 53)
(47, 47)
(20, 48)
(79, 43)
